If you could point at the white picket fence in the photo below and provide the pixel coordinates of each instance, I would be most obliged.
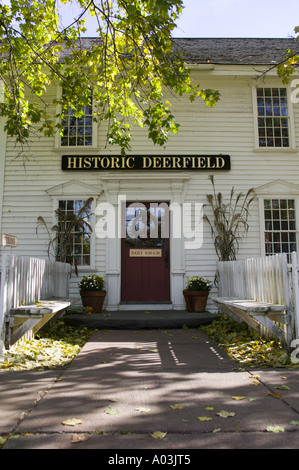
(27, 280)
(268, 279)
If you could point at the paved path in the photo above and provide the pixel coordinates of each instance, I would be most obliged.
(124, 386)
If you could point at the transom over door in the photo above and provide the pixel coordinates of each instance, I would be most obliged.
(145, 271)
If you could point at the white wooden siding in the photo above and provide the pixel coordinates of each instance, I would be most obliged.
(228, 128)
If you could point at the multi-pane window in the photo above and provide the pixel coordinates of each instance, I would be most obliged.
(273, 117)
(74, 218)
(280, 226)
(77, 131)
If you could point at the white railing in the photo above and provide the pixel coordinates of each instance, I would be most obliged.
(27, 280)
(268, 279)
(264, 279)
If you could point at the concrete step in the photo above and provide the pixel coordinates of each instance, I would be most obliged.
(139, 319)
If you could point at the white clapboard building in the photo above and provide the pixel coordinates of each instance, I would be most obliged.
(249, 140)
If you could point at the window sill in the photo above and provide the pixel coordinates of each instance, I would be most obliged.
(275, 149)
(77, 150)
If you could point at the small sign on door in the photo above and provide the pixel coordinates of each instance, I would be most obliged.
(145, 252)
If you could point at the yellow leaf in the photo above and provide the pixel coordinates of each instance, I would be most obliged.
(177, 406)
(239, 398)
(225, 414)
(209, 408)
(143, 410)
(275, 429)
(158, 434)
(204, 418)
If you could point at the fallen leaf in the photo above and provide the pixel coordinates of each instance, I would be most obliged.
(225, 414)
(209, 408)
(80, 437)
(177, 406)
(255, 382)
(295, 422)
(72, 422)
(142, 409)
(275, 429)
(251, 399)
(204, 418)
(238, 398)
(158, 434)
(113, 399)
(283, 387)
(111, 411)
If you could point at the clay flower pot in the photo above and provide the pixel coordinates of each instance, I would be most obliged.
(94, 299)
(196, 301)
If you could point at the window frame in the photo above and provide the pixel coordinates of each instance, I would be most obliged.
(71, 148)
(290, 118)
(69, 197)
(262, 217)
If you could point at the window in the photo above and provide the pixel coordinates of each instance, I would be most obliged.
(280, 226)
(77, 131)
(74, 219)
(273, 117)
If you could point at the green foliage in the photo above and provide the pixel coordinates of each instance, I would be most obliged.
(92, 282)
(229, 220)
(289, 65)
(196, 283)
(127, 67)
(245, 345)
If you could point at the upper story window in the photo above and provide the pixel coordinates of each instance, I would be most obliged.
(77, 131)
(273, 117)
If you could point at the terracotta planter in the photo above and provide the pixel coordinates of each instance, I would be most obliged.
(94, 299)
(196, 301)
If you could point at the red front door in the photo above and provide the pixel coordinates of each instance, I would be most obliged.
(145, 273)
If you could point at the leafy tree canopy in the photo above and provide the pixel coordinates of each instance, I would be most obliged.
(126, 66)
(288, 66)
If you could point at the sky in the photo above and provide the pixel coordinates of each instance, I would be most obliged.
(238, 18)
(233, 18)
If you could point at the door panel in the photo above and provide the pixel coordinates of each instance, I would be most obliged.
(145, 254)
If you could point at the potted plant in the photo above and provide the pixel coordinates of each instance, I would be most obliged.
(92, 291)
(196, 293)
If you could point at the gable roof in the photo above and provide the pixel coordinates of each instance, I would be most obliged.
(227, 51)
(248, 51)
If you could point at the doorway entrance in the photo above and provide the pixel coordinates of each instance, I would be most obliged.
(145, 257)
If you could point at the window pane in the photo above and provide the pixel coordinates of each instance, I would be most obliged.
(80, 247)
(280, 226)
(75, 129)
(272, 102)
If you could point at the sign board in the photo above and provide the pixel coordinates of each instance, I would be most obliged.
(9, 240)
(145, 162)
(145, 253)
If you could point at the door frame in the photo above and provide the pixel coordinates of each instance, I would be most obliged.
(153, 188)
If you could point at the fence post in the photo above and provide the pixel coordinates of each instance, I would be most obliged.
(295, 289)
(3, 302)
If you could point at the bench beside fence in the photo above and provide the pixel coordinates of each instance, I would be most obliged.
(262, 291)
(25, 281)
